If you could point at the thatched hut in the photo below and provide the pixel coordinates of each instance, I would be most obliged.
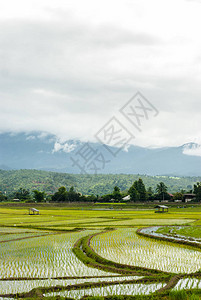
(161, 209)
(33, 211)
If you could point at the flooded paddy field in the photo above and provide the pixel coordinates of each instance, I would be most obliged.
(126, 247)
(38, 252)
(121, 289)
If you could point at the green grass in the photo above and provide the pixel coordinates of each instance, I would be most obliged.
(73, 217)
(188, 231)
(178, 295)
(28, 257)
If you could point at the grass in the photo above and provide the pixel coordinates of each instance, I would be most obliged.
(178, 295)
(190, 231)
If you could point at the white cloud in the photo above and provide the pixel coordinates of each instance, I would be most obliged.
(66, 67)
(65, 147)
(30, 137)
(57, 147)
(192, 149)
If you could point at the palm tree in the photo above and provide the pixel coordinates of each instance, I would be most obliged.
(161, 189)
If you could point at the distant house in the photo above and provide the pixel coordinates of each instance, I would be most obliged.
(126, 198)
(171, 196)
(161, 209)
(33, 211)
(189, 197)
(16, 200)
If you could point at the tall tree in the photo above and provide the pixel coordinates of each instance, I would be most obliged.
(141, 190)
(62, 190)
(150, 193)
(2, 197)
(72, 196)
(161, 190)
(39, 196)
(138, 191)
(197, 191)
(61, 195)
(134, 195)
(116, 193)
(22, 194)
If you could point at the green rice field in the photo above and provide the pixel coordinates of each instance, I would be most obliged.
(125, 246)
(37, 252)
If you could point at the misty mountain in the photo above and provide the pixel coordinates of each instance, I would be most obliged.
(45, 152)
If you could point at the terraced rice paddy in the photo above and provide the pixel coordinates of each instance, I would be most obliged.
(44, 257)
(126, 247)
(31, 258)
(22, 286)
(124, 289)
(188, 283)
(12, 234)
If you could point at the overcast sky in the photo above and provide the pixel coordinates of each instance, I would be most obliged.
(69, 66)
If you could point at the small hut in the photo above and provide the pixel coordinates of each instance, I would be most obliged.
(33, 211)
(161, 209)
(16, 200)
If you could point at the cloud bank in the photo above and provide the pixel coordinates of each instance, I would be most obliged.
(67, 67)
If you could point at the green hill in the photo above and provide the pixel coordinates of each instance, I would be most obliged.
(49, 182)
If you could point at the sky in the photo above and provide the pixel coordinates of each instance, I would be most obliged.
(68, 67)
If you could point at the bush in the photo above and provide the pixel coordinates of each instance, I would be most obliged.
(194, 297)
(178, 295)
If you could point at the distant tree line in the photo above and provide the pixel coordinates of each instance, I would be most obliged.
(137, 192)
(70, 196)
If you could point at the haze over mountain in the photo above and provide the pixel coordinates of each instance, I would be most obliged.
(45, 152)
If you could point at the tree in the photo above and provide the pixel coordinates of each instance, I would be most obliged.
(197, 191)
(61, 195)
(141, 190)
(161, 190)
(91, 198)
(22, 194)
(72, 196)
(2, 197)
(134, 195)
(137, 191)
(116, 193)
(39, 196)
(178, 196)
(150, 193)
(106, 198)
(62, 190)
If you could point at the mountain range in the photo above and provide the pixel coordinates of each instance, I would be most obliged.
(44, 151)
